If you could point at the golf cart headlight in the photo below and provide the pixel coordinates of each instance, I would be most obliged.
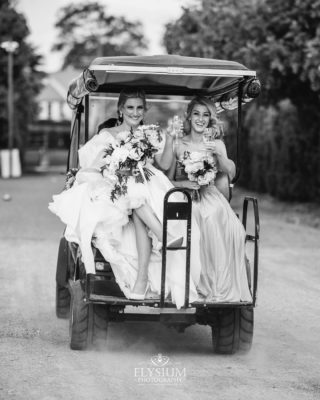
(253, 88)
(100, 266)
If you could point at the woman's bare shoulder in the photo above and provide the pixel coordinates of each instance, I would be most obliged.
(100, 137)
(114, 129)
(111, 131)
(220, 143)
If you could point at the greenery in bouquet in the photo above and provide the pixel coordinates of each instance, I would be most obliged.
(128, 156)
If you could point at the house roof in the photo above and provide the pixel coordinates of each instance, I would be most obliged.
(56, 85)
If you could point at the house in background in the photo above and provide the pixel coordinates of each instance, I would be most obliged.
(52, 99)
(49, 133)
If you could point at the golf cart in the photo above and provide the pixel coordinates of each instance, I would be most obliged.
(91, 301)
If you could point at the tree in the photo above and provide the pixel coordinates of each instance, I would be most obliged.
(26, 77)
(279, 39)
(86, 31)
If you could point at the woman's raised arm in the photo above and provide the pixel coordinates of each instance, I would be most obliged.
(165, 159)
(224, 163)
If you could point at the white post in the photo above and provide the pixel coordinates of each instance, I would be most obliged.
(13, 161)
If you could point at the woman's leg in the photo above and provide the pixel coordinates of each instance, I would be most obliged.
(143, 242)
(146, 214)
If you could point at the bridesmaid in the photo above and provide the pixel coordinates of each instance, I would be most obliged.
(221, 245)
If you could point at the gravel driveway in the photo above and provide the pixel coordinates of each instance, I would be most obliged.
(36, 362)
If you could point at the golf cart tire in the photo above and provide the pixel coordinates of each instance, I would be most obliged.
(99, 324)
(233, 330)
(62, 263)
(88, 322)
(63, 298)
(79, 318)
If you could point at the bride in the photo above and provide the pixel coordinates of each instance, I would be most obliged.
(128, 230)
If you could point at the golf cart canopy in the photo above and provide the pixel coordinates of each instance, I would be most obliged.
(168, 75)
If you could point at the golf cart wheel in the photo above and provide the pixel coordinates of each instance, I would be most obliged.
(99, 324)
(233, 330)
(62, 301)
(79, 318)
(88, 322)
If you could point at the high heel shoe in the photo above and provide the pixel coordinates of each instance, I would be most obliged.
(138, 296)
(175, 242)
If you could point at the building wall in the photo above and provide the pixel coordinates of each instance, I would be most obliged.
(54, 110)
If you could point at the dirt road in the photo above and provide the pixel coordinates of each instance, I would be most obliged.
(37, 364)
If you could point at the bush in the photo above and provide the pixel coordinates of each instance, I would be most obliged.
(279, 156)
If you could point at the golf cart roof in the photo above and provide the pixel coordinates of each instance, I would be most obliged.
(164, 75)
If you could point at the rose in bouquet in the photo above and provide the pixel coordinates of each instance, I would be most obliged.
(199, 167)
(127, 156)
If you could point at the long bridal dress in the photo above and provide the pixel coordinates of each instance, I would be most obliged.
(91, 216)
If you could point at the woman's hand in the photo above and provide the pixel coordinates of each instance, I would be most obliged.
(224, 163)
(214, 147)
(175, 127)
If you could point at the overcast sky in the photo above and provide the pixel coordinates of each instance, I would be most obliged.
(154, 14)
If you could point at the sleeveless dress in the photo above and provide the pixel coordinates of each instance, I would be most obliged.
(220, 247)
(223, 274)
(91, 216)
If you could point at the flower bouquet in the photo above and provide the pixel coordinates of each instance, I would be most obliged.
(200, 168)
(70, 178)
(128, 156)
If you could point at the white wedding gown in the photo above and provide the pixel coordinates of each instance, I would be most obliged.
(89, 214)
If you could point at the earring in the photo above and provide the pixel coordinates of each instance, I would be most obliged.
(120, 114)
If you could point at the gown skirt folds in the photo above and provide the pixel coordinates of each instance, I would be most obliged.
(223, 275)
(91, 216)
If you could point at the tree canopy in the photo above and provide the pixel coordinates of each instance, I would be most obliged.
(281, 41)
(26, 77)
(87, 31)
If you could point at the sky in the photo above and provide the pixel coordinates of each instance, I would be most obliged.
(41, 16)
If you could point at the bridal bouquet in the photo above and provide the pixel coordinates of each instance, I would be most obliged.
(70, 178)
(128, 156)
(199, 167)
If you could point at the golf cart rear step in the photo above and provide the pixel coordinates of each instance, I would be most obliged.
(112, 300)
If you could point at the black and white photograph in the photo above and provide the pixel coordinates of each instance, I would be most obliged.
(159, 199)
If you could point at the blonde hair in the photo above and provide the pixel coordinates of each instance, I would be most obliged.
(203, 101)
